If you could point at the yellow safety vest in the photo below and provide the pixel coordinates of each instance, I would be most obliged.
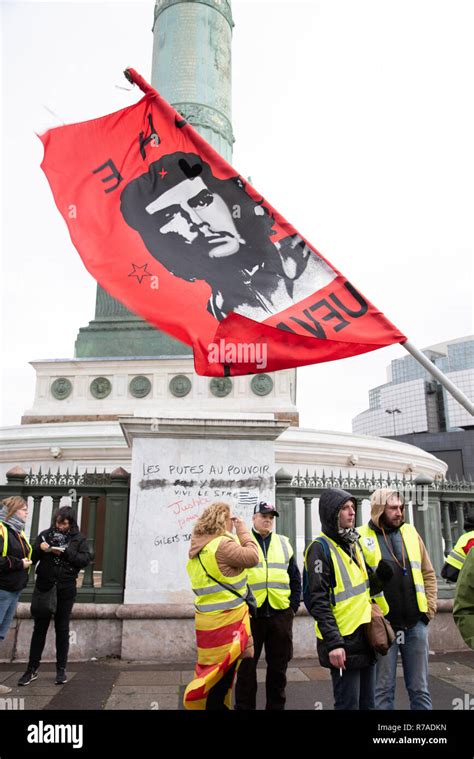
(212, 597)
(270, 576)
(457, 557)
(4, 535)
(352, 605)
(373, 554)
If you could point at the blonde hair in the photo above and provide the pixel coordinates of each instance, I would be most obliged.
(213, 520)
(13, 504)
(380, 497)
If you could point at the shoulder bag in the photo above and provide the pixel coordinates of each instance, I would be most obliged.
(43, 602)
(249, 599)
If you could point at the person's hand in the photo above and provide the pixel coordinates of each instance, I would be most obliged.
(26, 563)
(337, 657)
(238, 522)
(44, 546)
(384, 571)
(56, 550)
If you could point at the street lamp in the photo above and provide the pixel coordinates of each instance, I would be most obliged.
(393, 411)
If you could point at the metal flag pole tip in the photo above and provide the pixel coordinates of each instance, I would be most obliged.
(457, 394)
(54, 114)
(128, 75)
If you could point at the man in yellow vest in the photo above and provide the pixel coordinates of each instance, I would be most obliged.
(456, 558)
(276, 584)
(339, 600)
(410, 594)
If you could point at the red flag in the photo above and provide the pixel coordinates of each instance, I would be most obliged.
(168, 227)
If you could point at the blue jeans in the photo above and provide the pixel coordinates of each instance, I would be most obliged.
(355, 689)
(414, 653)
(8, 602)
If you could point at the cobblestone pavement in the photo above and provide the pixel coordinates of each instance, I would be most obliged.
(112, 684)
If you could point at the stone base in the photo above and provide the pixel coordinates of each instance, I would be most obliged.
(164, 633)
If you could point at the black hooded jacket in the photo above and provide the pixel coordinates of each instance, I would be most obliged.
(358, 652)
(61, 569)
(13, 575)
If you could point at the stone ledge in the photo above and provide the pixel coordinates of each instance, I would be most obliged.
(161, 611)
(165, 633)
(80, 611)
(56, 419)
(155, 611)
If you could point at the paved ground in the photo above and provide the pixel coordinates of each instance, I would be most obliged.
(112, 684)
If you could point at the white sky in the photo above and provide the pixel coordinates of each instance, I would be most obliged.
(354, 119)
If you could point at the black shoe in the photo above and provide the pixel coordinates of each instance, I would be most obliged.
(28, 677)
(61, 677)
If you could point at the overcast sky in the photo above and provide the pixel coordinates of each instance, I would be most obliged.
(354, 119)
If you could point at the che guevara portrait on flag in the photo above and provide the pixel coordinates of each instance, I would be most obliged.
(171, 230)
(201, 227)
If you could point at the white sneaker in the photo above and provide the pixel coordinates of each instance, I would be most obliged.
(5, 689)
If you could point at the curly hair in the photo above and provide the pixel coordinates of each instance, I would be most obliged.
(13, 504)
(213, 519)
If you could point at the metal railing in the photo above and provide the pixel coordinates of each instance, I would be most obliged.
(88, 489)
(439, 507)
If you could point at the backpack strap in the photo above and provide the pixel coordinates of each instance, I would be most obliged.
(327, 552)
(223, 585)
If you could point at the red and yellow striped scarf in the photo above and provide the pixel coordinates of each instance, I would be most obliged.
(221, 640)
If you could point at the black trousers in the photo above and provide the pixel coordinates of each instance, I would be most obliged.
(217, 694)
(66, 598)
(276, 634)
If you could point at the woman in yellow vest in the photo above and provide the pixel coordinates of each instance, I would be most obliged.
(15, 553)
(217, 568)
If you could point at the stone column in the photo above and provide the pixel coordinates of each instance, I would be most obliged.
(192, 69)
(308, 521)
(88, 581)
(286, 506)
(460, 519)
(192, 66)
(34, 534)
(56, 503)
(448, 538)
(427, 519)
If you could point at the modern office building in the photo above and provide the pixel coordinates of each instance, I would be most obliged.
(413, 407)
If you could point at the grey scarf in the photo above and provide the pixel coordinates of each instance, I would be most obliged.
(14, 522)
(349, 536)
